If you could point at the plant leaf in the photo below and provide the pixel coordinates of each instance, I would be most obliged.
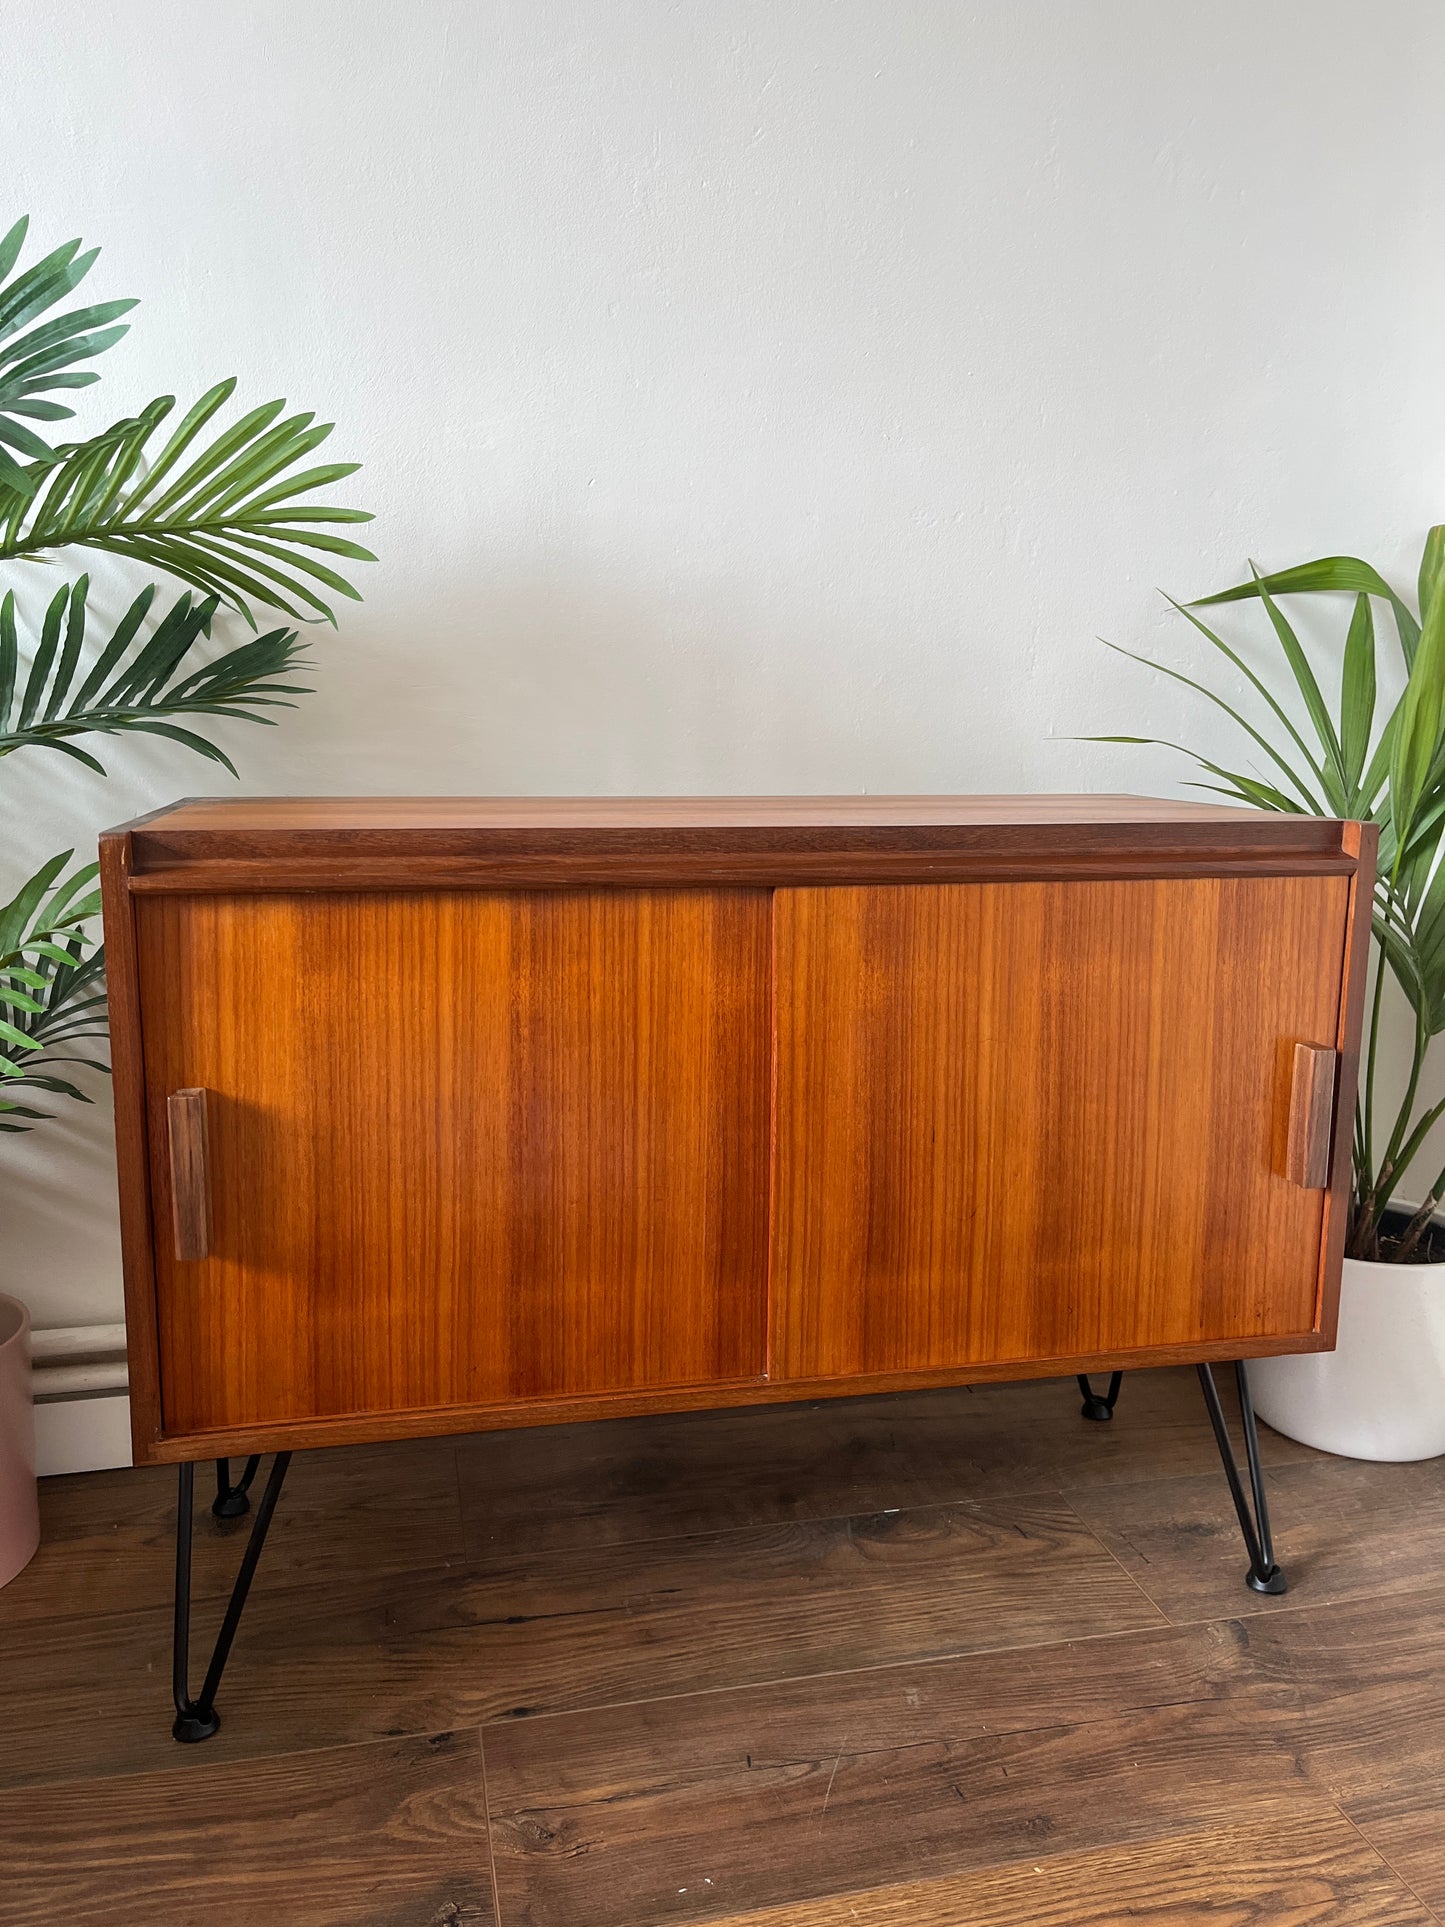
(147, 680)
(1331, 766)
(31, 364)
(1418, 734)
(68, 1004)
(1357, 694)
(1313, 805)
(227, 517)
(1326, 575)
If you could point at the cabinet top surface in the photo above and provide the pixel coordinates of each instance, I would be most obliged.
(324, 814)
(336, 842)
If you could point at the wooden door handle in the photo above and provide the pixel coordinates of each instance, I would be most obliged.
(1311, 1116)
(190, 1187)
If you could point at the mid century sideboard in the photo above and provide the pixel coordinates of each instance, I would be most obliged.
(447, 1114)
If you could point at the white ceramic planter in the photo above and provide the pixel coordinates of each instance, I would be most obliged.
(1381, 1393)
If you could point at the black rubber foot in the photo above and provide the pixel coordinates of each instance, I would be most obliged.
(191, 1728)
(1098, 1409)
(1273, 1582)
(231, 1505)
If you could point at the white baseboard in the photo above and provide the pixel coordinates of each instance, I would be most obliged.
(82, 1434)
(82, 1413)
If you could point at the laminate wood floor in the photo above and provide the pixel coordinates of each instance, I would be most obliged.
(946, 1659)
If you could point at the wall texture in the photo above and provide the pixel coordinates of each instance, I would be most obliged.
(752, 396)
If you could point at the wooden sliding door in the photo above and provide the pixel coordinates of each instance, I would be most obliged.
(1034, 1120)
(459, 1149)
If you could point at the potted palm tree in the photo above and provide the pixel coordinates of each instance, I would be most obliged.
(226, 510)
(1381, 1393)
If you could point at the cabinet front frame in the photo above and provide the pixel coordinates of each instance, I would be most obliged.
(333, 862)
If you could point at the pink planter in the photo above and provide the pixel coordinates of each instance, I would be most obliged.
(19, 1509)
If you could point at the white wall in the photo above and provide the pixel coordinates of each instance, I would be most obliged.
(774, 396)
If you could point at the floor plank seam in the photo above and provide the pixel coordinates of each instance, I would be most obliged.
(187, 1760)
(1385, 1861)
(589, 1707)
(1293, 1604)
(1110, 1553)
(830, 1672)
(471, 1567)
(261, 1595)
(487, 1812)
(462, 1725)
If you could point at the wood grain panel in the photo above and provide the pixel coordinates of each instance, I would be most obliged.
(393, 1835)
(1023, 1122)
(1360, 1690)
(1318, 1874)
(341, 1660)
(1407, 1826)
(462, 1148)
(1352, 1531)
(825, 1786)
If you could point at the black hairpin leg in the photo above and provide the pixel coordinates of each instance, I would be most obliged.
(1263, 1575)
(1099, 1405)
(230, 1500)
(197, 1719)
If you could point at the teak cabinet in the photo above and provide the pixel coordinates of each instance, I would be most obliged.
(446, 1114)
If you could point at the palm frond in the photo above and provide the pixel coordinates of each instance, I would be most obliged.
(1415, 757)
(37, 361)
(1235, 784)
(1390, 772)
(51, 997)
(233, 521)
(139, 680)
(1304, 785)
(1328, 575)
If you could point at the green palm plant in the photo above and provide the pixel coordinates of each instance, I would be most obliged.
(228, 511)
(1383, 763)
(50, 987)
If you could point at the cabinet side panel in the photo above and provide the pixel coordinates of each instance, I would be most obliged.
(1022, 1121)
(1364, 840)
(131, 1150)
(462, 1148)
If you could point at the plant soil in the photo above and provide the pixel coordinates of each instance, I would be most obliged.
(1430, 1249)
